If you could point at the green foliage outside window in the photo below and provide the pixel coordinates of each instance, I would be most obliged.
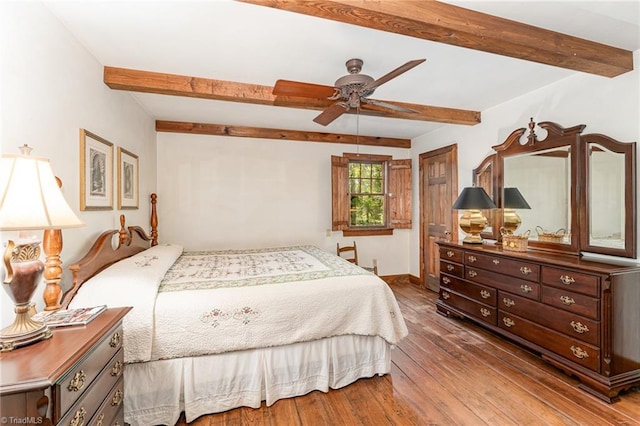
(366, 187)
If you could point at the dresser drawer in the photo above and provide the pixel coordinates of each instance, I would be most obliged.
(568, 323)
(514, 267)
(478, 310)
(70, 386)
(451, 254)
(87, 405)
(571, 349)
(503, 282)
(477, 292)
(571, 280)
(452, 268)
(108, 412)
(572, 302)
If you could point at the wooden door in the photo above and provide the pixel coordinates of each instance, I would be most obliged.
(438, 191)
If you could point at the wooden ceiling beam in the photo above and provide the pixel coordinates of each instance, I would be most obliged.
(266, 133)
(445, 23)
(231, 91)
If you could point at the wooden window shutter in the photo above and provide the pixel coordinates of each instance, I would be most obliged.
(399, 179)
(340, 204)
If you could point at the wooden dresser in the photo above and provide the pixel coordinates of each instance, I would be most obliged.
(581, 316)
(74, 378)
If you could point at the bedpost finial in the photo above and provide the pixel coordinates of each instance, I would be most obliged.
(532, 138)
(123, 232)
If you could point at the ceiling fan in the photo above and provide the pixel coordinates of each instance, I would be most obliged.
(349, 91)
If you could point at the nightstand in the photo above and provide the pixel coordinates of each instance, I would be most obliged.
(74, 378)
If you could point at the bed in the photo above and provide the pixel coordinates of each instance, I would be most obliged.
(214, 330)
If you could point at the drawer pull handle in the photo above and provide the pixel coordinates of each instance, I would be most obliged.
(508, 302)
(117, 368)
(77, 382)
(485, 312)
(579, 327)
(525, 270)
(566, 279)
(578, 352)
(485, 294)
(496, 261)
(100, 419)
(508, 322)
(450, 267)
(115, 340)
(78, 417)
(473, 274)
(525, 288)
(117, 398)
(450, 253)
(472, 259)
(567, 300)
(446, 280)
(445, 295)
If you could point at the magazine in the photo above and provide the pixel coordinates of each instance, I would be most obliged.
(66, 317)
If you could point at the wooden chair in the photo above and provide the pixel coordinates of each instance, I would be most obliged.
(350, 253)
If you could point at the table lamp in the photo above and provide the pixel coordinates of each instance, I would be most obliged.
(513, 199)
(29, 200)
(472, 222)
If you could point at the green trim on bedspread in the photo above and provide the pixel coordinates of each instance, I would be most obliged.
(198, 270)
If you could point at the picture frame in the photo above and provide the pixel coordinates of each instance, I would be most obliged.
(128, 179)
(96, 172)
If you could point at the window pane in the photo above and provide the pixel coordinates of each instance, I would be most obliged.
(376, 186)
(366, 186)
(354, 170)
(366, 170)
(376, 171)
(367, 210)
(354, 186)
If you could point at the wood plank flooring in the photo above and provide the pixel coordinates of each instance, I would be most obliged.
(446, 372)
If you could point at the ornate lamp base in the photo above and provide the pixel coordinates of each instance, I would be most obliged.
(472, 222)
(24, 270)
(23, 331)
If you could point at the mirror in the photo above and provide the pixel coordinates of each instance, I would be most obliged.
(610, 204)
(544, 180)
(581, 190)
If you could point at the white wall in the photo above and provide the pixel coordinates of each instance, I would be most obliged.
(606, 105)
(226, 192)
(50, 88)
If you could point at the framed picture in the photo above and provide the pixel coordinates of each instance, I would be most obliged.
(96, 172)
(127, 179)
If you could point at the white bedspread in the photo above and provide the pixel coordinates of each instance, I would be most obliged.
(214, 302)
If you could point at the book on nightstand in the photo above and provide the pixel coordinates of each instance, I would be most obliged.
(69, 317)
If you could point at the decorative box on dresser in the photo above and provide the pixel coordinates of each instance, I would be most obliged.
(583, 316)
(74, 378)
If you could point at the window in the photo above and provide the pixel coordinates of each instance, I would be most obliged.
(371, 194)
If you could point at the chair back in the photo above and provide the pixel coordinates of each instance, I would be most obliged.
(349, 253)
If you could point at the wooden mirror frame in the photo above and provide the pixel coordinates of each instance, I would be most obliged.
(560, 137)
(628, 149)
(484, 176)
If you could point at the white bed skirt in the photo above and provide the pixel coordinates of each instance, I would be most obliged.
(157, 392)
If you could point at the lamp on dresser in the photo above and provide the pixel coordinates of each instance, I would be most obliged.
(513, 199)
(30, 199)
(473, 200)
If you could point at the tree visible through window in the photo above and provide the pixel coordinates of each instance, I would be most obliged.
(366, 188)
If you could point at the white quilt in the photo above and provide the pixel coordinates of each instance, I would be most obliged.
(214, 302)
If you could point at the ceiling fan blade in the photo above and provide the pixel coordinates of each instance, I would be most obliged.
(305, 90)
(386, 105)
(331, 113)
(393, 74)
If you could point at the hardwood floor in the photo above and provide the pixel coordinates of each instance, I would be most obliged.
(446, 372)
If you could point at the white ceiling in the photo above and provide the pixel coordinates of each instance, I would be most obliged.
(228, 40)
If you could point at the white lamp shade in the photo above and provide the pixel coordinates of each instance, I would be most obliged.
(30, 197)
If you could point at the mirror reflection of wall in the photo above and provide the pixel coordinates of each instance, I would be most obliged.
(606, 190)
(544, 179)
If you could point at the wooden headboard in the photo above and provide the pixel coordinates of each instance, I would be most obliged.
(102, 254)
